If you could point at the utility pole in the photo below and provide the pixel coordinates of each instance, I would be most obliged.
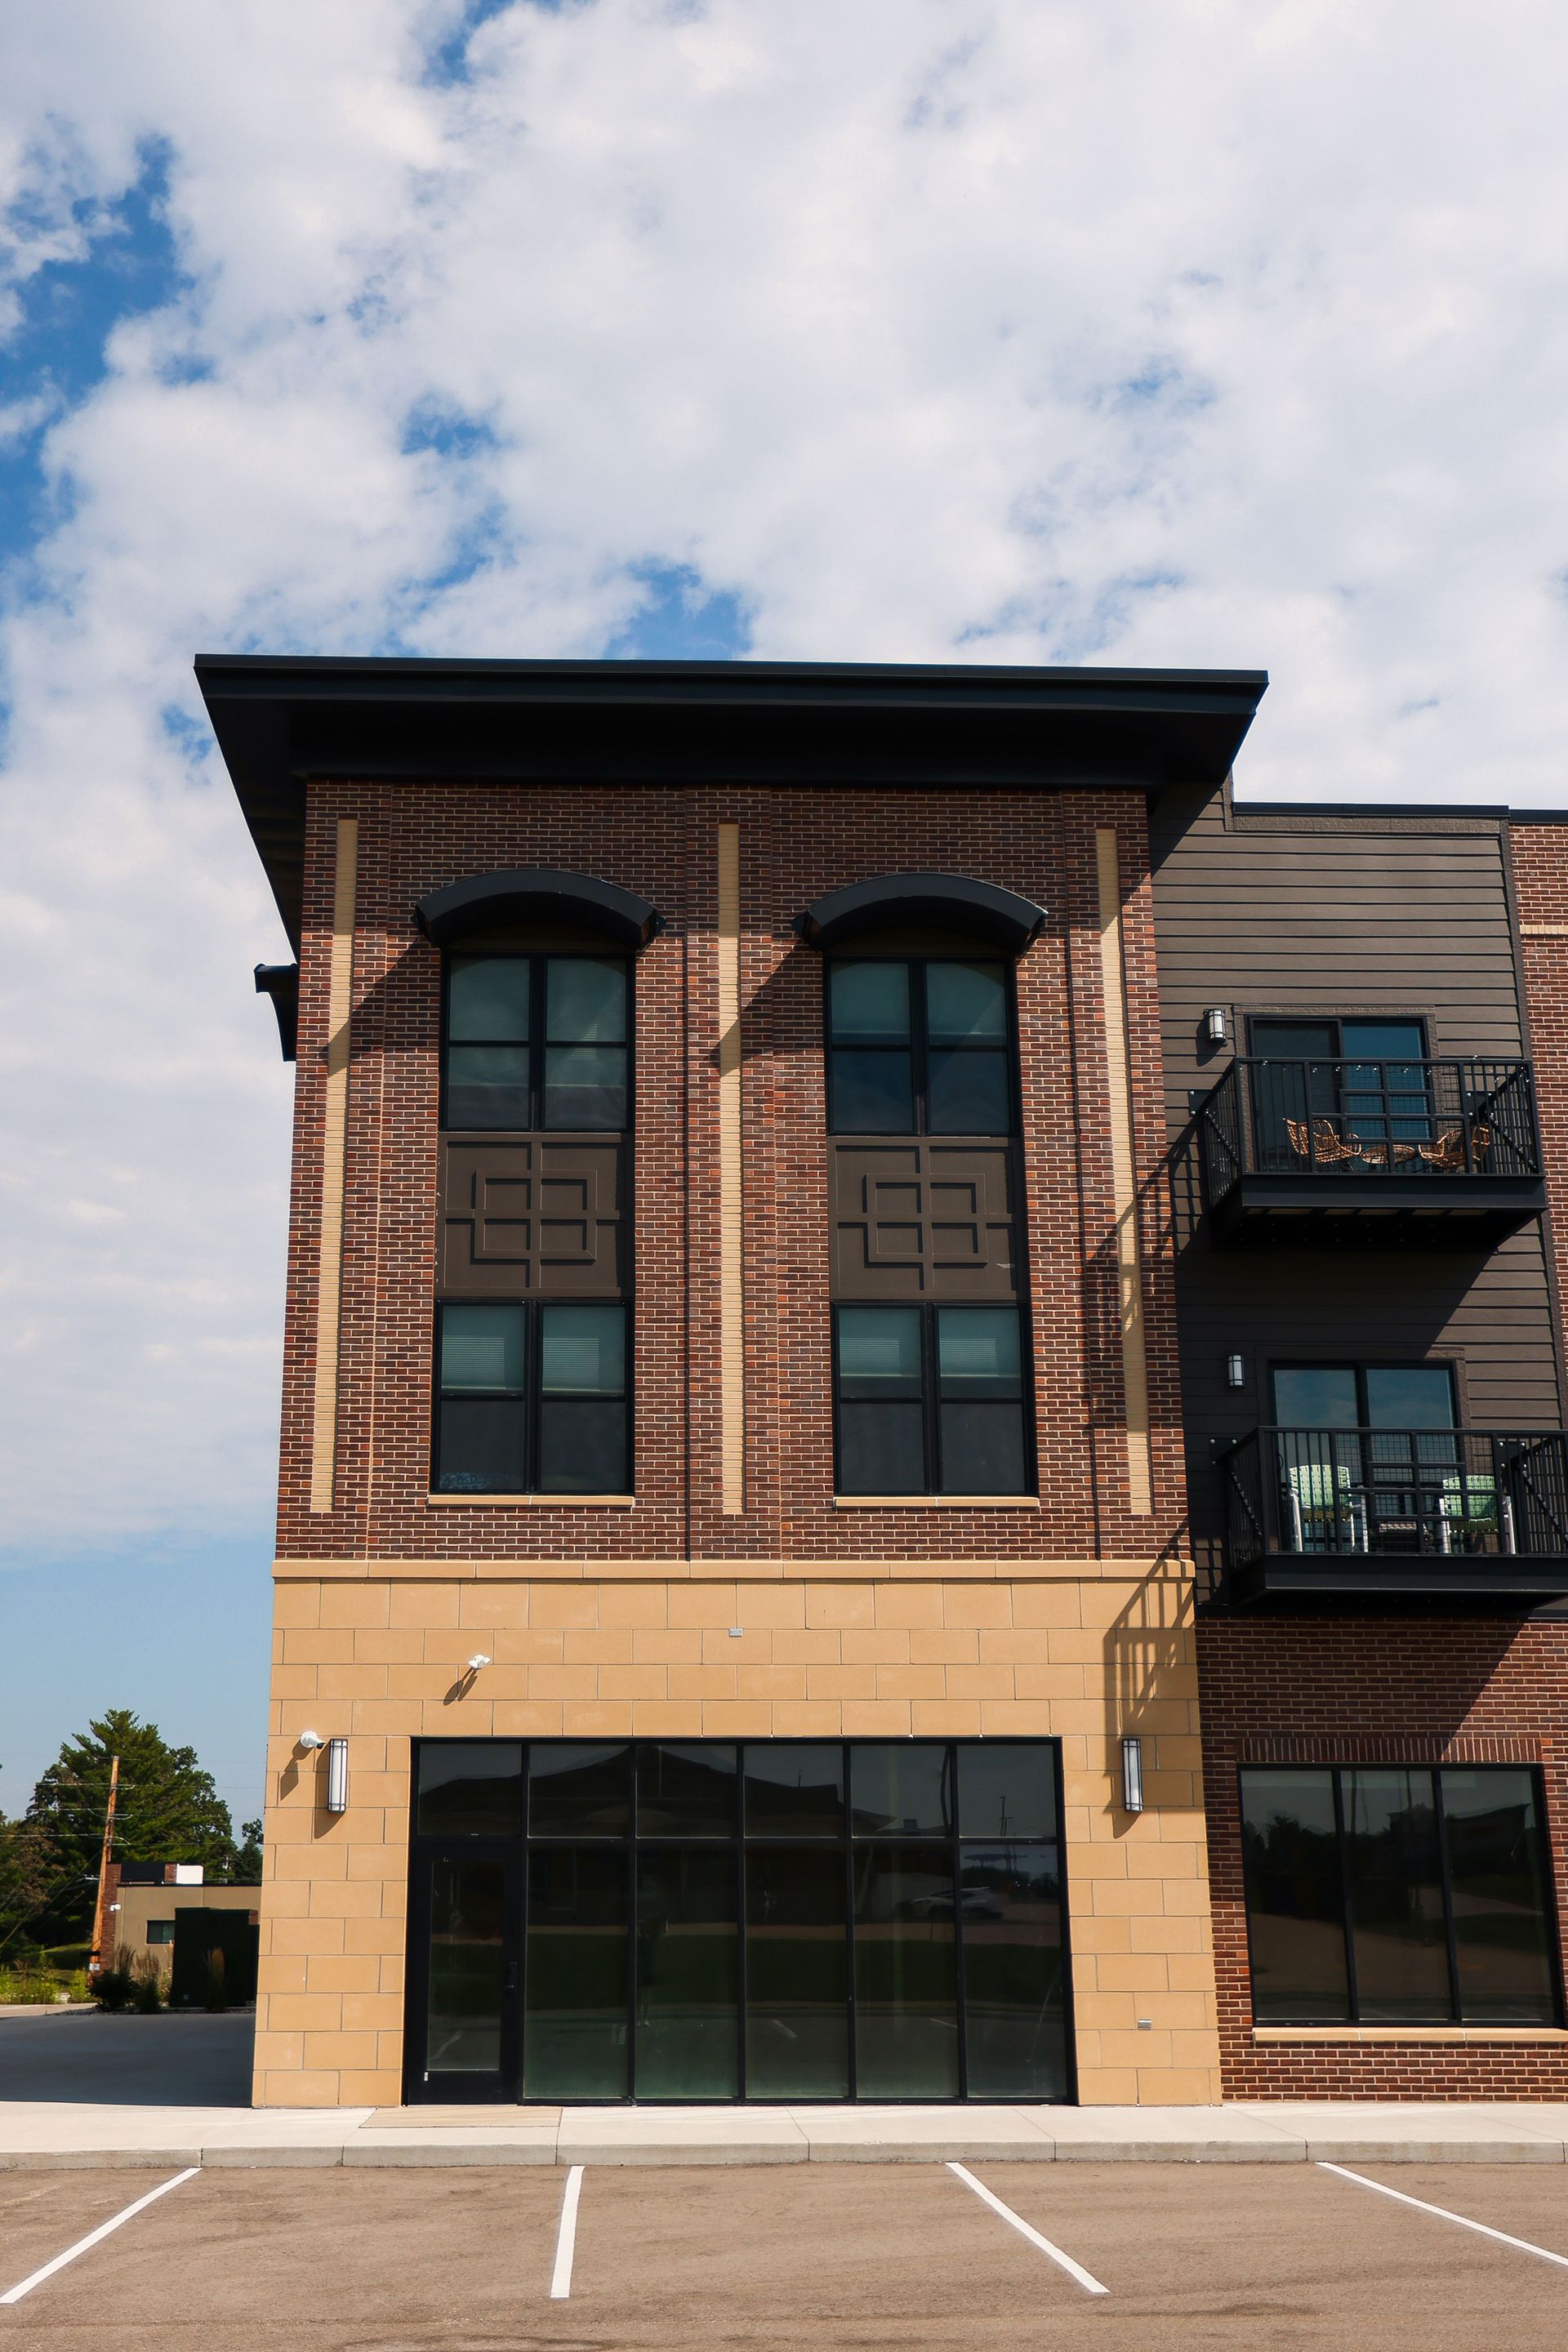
(95, 1962)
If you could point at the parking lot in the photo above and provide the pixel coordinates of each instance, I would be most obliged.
(854, 2255)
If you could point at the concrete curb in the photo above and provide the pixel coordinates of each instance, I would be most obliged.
(41, 2139)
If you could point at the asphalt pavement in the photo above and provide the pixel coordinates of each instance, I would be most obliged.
(1166, 2258)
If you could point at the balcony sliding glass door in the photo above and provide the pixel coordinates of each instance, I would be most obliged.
(1368, 1457)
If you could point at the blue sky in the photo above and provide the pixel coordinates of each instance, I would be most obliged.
(1225, 334)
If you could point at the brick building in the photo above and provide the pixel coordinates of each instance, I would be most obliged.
(1364, 1013)
(750, 1551)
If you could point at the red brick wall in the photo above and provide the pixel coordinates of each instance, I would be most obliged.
(795, 844)
(1538, 858)
(1393, 1690)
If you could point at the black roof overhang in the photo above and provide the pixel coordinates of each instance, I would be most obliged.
(536, 894)
(281, 722)
(954, 900)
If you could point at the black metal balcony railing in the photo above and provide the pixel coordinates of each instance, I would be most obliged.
(1447, 1494)
(1343, 1120)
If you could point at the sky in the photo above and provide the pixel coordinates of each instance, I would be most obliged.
(1225, 333)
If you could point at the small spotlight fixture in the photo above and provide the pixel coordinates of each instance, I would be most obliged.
(1133, 1775)
(1235, 1372)
(337, 1776)
(480, 1658)
(1216, 1026)
(311, 1739)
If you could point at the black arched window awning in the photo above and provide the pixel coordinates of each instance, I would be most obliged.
(897, 901)
(536, 894)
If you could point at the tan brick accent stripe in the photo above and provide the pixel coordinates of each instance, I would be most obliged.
(340, 995)
(732, 1292)
(1119, 1073)
(710, 1568)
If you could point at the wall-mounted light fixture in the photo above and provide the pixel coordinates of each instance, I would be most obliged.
(337, 1776)
(1216, 1026)
(1235, 1372)
(1133, 1775)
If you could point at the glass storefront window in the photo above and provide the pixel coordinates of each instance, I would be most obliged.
(794, 1788)
(470, 1787)
(900, 1788)
(467, 1971)
(906, 1972)
(713, 1919)
(687, 1986)
(797, 2019)
(1397, 1895)
(574, 2040)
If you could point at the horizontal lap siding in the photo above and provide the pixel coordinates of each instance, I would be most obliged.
(1370, 916)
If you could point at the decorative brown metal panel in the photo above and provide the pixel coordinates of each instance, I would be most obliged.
(924, 1217)
(532, 1213)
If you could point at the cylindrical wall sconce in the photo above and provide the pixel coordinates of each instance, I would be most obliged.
(1235, 1372)
(1133, 1775)
(337, 1776)
(1216, 1026)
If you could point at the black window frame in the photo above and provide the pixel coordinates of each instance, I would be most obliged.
(930, 1398)
(920, 1044)
(537, 959)
(530, 1400)
(1435, 1768)
(1360, 1366)
(1398, 1111)
(1336, 1022)
(737, 1839)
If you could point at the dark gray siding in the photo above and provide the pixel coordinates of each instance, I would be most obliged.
(1307, 915)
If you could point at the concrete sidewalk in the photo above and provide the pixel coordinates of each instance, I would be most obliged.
(39, 2136)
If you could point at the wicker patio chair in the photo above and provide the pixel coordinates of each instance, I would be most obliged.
(1324, 1141)
(1448, 1152)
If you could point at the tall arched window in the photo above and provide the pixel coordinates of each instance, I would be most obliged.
(532, 1376)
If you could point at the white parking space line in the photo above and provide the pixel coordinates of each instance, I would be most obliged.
(95, 2237)
(565, 2243)
(1464, 2222)
(1086, 2279)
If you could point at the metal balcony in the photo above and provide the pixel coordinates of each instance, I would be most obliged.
(1426, 1154)
(1478, 1515)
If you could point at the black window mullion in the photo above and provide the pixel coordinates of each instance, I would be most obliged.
(930, 1385)
(738, 1847)
(538, 1029)
(849, 1922)
(960, 2008)
(1439, 1807)
(1351, 1988)
(919, 1044)
(632, 1939)
(533, 1360)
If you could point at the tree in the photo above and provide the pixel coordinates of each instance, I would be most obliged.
(247, 1856)
(25, 1886)
(168, 1810)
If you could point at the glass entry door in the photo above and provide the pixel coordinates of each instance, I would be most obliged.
(464, 1980)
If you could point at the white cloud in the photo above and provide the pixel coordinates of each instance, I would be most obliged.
(1216, 333)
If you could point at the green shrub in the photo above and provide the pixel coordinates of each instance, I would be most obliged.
(147, 1992)
(113, 1988)
(29, 1980)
